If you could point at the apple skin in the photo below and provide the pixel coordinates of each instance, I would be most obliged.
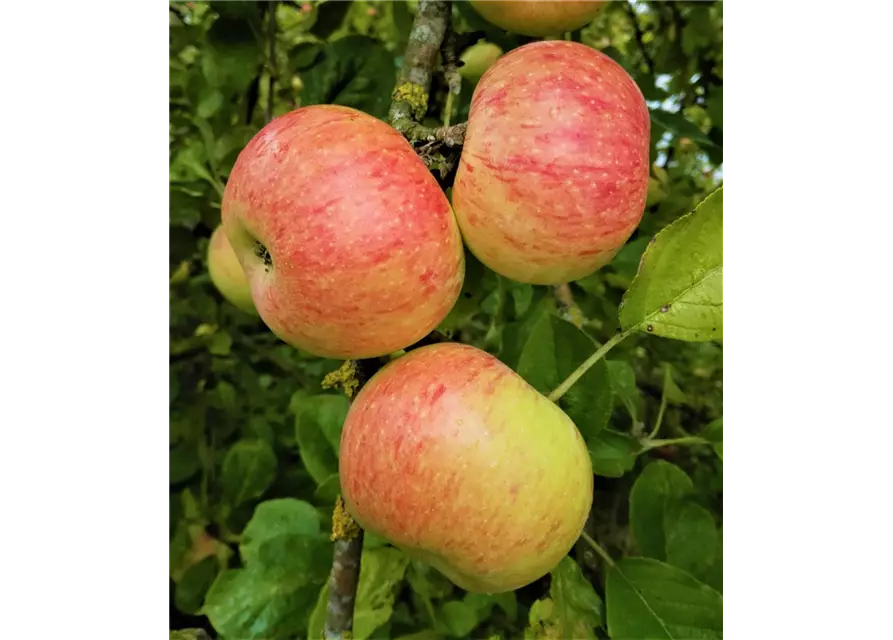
(538, 17)
(365, 256)
(227, 274)
(553, 176)
(454, 458)
(478, 58)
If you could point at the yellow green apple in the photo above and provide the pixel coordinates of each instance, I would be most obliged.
(451, 456)
(227, 274)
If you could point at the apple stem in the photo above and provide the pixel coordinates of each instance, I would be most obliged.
(567, 308)
(578, 373)
(598, 549)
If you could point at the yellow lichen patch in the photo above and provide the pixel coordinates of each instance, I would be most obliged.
(415, 96)
(344, 527)
(344, 377)
(575, 316)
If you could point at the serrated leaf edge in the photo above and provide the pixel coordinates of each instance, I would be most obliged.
(650, 247)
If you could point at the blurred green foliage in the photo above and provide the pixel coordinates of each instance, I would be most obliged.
(254, 438)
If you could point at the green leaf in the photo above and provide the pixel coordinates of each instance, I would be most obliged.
(316, 624)
(185, 206)
(381, 573)
(483, 603)
(189, 634)
(425, 634)
(681, 127)
(248, 469)
(173, 387)
(579, 609)
(542, 621)
(623, 384)
(286, 560)
(318, 423)
(274, 520)
(329, 17)
(713, 575)
(233, 56)
(357, 72)
(698, 32)
(522, 296)
(660, 485)
(328, 489)
(713, 433)
(691, 538)
(459, 617)
(651, 600)
(236, 10)
(259, 604)
(184, 462)
(402, 21)
(671, 390)
(191, 589)
(220, 343)
(553, 350)
(304, 55)
(678, 290)
(613, 453)
(210, 103)
(626, 262)
(516, 334)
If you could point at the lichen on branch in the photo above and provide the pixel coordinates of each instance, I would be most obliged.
(409, 101)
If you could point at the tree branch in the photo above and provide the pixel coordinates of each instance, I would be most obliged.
(346, 533)
(410, 98)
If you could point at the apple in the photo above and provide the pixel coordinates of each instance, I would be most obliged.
(349, 244)
(478, 58)
(451, 456)
(227, 274)
(538, 17)
(553, 176)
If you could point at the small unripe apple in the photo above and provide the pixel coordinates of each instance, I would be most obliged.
(349, 244)
(478, 58)
(227, 274)
(451, 456)
(553, 175)
(538, 17)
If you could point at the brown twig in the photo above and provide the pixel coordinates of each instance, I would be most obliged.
(345, 576)
(346, 533)
(410, 98)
